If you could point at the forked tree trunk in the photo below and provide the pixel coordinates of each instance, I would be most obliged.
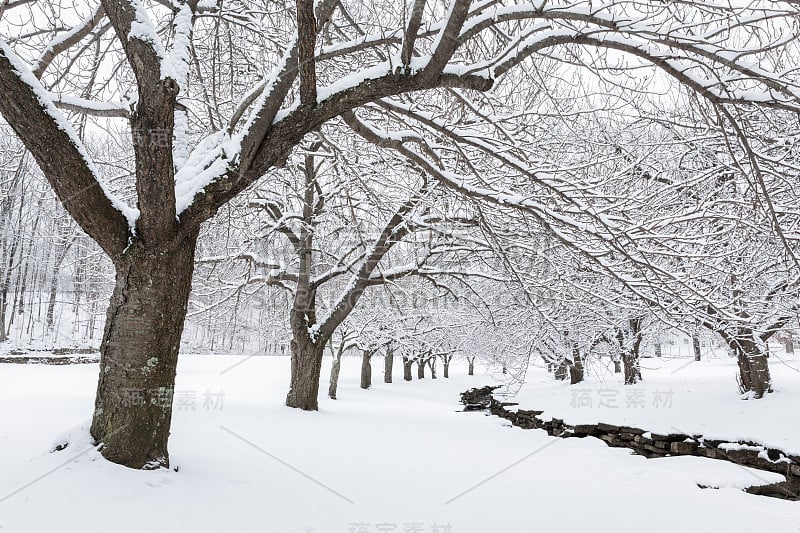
(139, 354)
(388, 363)
(407, 364)
(471, 370)
(420, 368)
(366, 369)
(432, 365)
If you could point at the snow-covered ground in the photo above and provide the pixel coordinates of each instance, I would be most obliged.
(397, 458)
(678, 396)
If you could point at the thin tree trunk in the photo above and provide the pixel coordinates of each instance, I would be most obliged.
(432, 365)
(696, 346)
(630, 351)
(3, 297)
(471, 370)
(5, 283)
(576, 369)
(139, 354)
(366, 369)
(333, 384)
(388, 363)
(51, 304)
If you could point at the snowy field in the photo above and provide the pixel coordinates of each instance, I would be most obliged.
(398, 457)
(677, 396)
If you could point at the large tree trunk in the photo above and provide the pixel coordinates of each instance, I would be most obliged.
(753, 367)
(306, 369)
(366, 369)
(388, 363)
(446, 368)
(421, 368)
(139, 354)
(407, 364)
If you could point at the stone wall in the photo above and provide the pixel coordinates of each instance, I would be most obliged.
(648, 444)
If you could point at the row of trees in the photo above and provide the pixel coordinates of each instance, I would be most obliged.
(640, 153)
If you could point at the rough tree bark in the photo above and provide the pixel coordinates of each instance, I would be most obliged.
(139, 354)
(306, 366)
(753, 365)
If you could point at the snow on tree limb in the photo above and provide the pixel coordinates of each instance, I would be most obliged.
(45, 132)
